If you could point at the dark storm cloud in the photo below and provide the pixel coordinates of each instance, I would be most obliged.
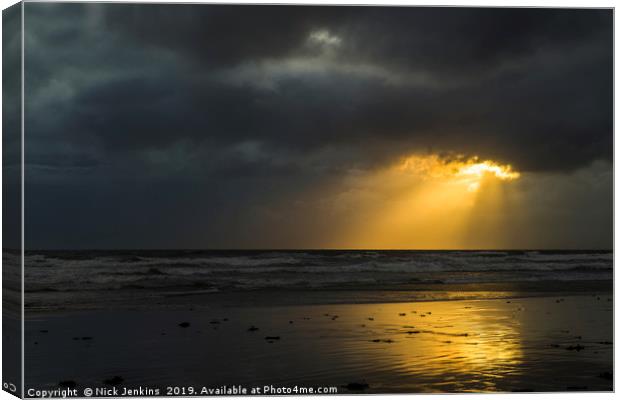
(284, 97)
(532, 86)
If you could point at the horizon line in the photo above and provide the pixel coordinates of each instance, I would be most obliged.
(314, 249)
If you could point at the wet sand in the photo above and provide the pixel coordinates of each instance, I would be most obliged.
(555, 343)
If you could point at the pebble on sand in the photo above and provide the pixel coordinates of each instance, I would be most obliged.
(67, 384)
(184, 324)
(272, 337)
(357, 386)
(576, 388)
(576, 347)
(402, 314)
(115, 380)
(252, 329)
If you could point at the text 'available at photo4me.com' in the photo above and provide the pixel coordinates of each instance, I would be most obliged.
(138, 391)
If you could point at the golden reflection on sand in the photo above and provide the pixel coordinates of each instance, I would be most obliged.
(471, 348)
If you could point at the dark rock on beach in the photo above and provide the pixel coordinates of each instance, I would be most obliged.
(154, 271)
(356, 386)
(115, 380)
(252, 329)
(576, 347)
(272, 337)
(184, 324)
(67, 384)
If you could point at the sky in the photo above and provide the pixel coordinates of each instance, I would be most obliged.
(219, 126)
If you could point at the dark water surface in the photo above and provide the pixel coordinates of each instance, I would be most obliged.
(95, 279)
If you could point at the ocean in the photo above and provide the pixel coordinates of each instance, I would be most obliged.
(102, 279)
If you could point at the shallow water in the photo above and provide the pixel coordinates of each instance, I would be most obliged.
(444, 346)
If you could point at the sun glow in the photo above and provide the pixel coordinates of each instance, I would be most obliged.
(428, 202)
(503, 172)
(467, 171)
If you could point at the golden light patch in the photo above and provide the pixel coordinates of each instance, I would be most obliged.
(425, 202)
(467, 171)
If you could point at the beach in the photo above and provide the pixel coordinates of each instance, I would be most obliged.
(521, 344)
(302, 322)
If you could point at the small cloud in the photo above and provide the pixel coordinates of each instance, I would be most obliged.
(324, 38)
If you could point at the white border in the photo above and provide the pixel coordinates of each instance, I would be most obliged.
(478, 3)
